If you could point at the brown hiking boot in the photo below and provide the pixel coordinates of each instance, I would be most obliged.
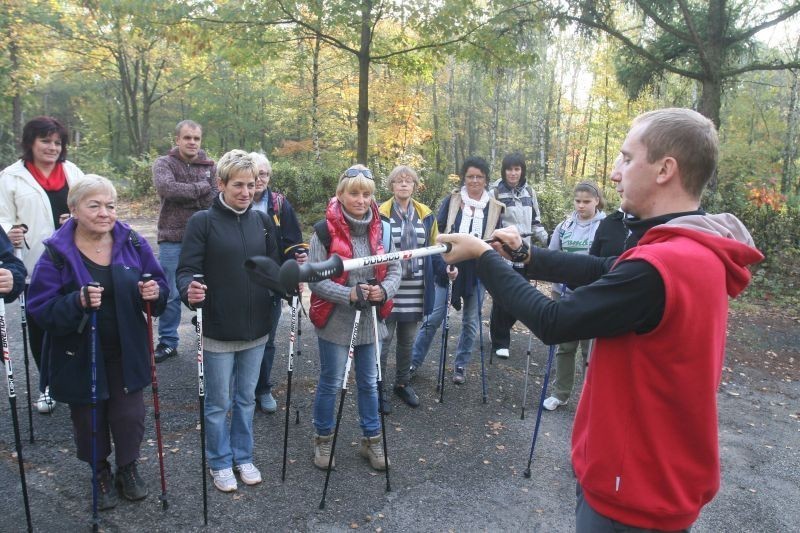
(372, 449)
(322, 451)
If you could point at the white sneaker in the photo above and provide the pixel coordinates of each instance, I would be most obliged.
(502, 353)
(552, 402)
(249, 474)
(224, 480)
(45, 404)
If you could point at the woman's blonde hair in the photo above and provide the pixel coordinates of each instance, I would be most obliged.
(359, 182)
(402, 171)
(234, 162)
(89, 184)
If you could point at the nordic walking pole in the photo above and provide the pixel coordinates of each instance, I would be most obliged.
(347, 364)
(527, 371)
(550, 353)
(445, 337)
(380, 383)
(479, 289)
(156, 405)
(299, 344)
(24, 322)
(201, 395)
(93, 356)
(12, 401)
(289, 370)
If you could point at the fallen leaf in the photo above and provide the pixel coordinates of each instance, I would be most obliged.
(487, 461)
(499, 446)
(353, 526)
(175, 450)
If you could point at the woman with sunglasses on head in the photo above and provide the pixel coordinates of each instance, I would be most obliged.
(33, 204)
(352, 228)
(468, 209)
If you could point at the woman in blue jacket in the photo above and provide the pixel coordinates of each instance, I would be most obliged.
(92, 246)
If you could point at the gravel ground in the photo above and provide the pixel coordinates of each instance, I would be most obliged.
(456, 466)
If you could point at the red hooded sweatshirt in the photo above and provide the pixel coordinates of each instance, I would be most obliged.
(644, 444)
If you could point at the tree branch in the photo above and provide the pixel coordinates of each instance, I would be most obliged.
(687, 17)
(777, 65)
(792, 11)
(661, 23)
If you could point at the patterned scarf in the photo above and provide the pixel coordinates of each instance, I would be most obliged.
(408, 237)
(472, 213)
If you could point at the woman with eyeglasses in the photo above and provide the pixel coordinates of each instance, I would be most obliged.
(352, 228)
(468, 209)
(413, 226)
(290, 243)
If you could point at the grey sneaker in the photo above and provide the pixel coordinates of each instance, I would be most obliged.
(502, 353)
(249, 474)
(45, 404)
(267, 403)
(322, 451)
(224, 479)
(458, 376)
(106, 493)
(372, 449)
(552, 403)
(130, 483)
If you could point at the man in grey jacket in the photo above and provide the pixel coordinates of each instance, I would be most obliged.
(185, 182)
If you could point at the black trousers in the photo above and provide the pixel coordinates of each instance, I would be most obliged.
(501, 321)
(587, 520)
(120, 417)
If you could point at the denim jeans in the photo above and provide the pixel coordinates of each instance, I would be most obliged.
(168, 255)
(264, 385)
(231, 387)
(332, 358)
(431, 323)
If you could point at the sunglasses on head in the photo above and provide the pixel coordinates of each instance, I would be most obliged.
(353, 172)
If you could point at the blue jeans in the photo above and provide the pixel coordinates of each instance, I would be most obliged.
(230, 387)
(264, 385)
(168, 255)
(332, 358)
(431, 323)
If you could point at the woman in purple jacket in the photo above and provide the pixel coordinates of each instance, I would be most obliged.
(92, 246)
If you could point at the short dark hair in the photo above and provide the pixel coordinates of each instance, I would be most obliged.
(41, 128)
(191, 124)
(476, 162)
(513, 160)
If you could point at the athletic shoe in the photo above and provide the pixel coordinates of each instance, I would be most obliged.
(458, 376)
(372, 450)
(407, 394)
(249, 474)
(267, 403)
(106, 494)
(502, 353)
(322, 451)
(552, 402)
(130, 483)
(224, 479)
(164, 352)
(45, 404)
(412, 372)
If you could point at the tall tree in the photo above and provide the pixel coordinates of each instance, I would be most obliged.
(710, 42)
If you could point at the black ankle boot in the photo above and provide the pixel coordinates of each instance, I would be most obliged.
(106, 495)
(130, 483)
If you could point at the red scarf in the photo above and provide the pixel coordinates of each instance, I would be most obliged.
(54, 182)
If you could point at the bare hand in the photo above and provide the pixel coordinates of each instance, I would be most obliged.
(63, 218)
(17, 236)
(452, 272)
(149, 290)
(6, 281)
(509, 237)
(95, 295)
(464, 247)
(196, 293)
(301, 258)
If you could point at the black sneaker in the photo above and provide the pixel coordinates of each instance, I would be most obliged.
(407, 394)
(164, 352)
(130, 483)
(106, 495)
(458, 376)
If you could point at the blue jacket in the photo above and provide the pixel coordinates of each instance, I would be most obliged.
(54, 302)
(13, 265)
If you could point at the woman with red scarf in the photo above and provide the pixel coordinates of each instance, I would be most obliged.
(33, 204)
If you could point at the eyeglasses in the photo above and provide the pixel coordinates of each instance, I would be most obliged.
(353, 172)
(475, 177)
(404, 182)
(263, 175)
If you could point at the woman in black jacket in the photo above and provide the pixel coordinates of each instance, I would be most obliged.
(236, 314)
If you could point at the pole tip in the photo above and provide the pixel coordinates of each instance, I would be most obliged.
(527, 473)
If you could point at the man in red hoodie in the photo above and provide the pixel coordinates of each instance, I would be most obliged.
(644, 445)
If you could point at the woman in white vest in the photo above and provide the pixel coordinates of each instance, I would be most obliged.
(33, 204)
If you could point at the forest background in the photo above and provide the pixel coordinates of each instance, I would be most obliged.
(318, 85)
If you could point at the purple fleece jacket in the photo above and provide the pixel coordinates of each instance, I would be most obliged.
(184, 188)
